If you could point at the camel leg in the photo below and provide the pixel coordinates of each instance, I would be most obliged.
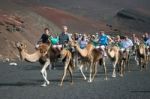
(127, 63)
(65, 72)
(124, 66)
(70, 72)
(90, 80)
(121, 71)
(105, 69)
(114, 69)
(95, 70)
(76, 59)
(140, 63)
(74, 62)
(81, 70)
(44, 73)
(137, 62)
(50, 66)
(146, 62)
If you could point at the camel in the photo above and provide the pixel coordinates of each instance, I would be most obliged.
(142, 57)
(44, 54)
(66, 56)
(123, 62)
(114, 55)
(38, 55)
(95, 56)
(79, 61)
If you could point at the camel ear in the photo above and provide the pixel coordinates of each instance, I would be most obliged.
(25, 46)
(17, 44)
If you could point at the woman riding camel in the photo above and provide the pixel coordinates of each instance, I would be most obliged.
(44, 37)
(83, 42)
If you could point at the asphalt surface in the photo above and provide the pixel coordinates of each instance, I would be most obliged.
(23, 82)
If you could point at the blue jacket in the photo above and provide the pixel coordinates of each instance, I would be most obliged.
(103, 40)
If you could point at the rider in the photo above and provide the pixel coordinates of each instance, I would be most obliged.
(83, 42)
(94, 40)
(135, 39)
(148, 46)
(44, 37)
(55, 43)
(103, 41)
(146, 37)
(63, 37)
(148, 42)
(126, 44)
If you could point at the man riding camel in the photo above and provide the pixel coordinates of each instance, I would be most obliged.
(104, 41)
(126, 44)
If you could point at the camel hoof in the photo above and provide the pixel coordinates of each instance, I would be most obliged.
(72, 83)
(89, 81)
(121, 75)
(48, 83)
(106, 79)
(114, 75)
(44, 85)
(137, 63)
(85, 78)
(60, 85)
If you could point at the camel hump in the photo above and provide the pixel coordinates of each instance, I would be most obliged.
(43, 48)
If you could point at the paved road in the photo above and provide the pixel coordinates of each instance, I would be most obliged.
(23, 82)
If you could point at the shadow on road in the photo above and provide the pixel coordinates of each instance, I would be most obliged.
(19, 84)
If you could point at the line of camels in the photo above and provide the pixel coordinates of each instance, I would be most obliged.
(94, 57)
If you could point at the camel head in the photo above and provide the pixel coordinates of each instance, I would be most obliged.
(21, 46)
(74, 43)
(141, 49)
(63, 53)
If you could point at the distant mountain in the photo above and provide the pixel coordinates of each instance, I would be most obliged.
(103, 10)
(96, 9)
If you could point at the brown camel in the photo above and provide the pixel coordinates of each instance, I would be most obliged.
(39, 54)
(142, 57)
(44, 54)
(95, 56)
(123, 62)
(66, 57)
(114, 55)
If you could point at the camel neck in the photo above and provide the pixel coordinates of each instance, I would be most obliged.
(30, 57)
(83, 52)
